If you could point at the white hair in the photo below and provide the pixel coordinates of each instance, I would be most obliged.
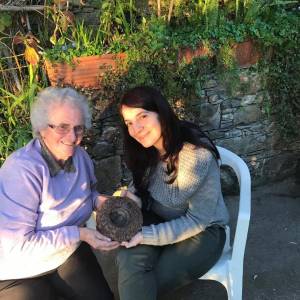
(41, 108)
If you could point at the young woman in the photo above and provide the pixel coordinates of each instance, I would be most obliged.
(176, 175)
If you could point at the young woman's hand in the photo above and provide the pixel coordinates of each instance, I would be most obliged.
(137, 239)
(96, 239)
(125, 193)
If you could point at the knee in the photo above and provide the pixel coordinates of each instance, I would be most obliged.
(134, 260)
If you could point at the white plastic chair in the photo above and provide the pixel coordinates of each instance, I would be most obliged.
(229, 268)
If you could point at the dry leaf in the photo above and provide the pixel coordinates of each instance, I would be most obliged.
(31, 55)
(18, 39)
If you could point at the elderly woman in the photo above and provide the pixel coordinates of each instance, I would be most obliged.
(47, 193)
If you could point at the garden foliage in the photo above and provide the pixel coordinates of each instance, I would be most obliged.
(152, 36)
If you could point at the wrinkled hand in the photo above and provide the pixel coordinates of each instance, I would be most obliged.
(97, 240)
(137, 239)
(100, 200)
(125, 193)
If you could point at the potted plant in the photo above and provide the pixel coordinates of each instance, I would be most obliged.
(252, 26)
(192, 43)
(246, 53)
(80, 54)
(192, 24)
(187, 54)
(234, 39)
(210, 25)
(84, 71)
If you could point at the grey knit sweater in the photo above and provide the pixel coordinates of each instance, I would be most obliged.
(191, 203)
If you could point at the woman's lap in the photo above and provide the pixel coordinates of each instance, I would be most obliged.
(80, 277)
(168, 267)
(181, 263)
(136, 279)
(27, 289)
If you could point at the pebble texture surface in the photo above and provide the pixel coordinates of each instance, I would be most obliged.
(120, 218)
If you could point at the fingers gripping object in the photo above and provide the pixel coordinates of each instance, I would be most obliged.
(119, 218)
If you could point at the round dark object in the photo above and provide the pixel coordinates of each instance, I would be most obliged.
(119, 218)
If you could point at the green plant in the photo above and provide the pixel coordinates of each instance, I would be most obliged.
(210, 11)
(280, 69)
(15, 129)
(80, 40)
(282, 82)
(9, 73)
(18, 86)
(72, 38)
(5, 20)
(227, 69)
(113, 20)
(153, 61)
(152, 43)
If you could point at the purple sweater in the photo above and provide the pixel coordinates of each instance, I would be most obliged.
(40, 214)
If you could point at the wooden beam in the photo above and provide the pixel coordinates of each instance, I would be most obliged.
(21, 8)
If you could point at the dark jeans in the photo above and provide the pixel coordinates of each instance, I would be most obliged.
(147, 271)
(79, 278)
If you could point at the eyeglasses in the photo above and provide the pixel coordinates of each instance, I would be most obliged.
(63, 129)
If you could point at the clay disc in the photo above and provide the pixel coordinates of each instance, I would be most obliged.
(119, 218)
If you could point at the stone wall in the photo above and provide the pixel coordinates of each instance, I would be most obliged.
(236, 122)
(239, 123)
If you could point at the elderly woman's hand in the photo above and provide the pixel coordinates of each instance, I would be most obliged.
(97, 240)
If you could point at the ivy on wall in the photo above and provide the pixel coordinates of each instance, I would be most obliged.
(281, 72)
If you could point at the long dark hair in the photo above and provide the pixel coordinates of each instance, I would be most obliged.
(175, 133)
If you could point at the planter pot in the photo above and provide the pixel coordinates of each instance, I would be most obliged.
(246, 53)
(84, 72)
(187, 54)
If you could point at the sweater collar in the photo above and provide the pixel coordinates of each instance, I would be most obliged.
(54, 166)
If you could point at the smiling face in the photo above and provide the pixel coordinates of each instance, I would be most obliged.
(144, 126)
(62, 146)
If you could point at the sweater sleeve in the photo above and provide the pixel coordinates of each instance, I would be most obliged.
(20, 194)
(199, 186)
(93, 178)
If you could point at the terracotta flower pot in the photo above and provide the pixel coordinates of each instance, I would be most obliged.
(187, 54)
(246, 53)
(84, 72)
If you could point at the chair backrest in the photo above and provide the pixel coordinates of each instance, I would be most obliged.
(242, 172)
